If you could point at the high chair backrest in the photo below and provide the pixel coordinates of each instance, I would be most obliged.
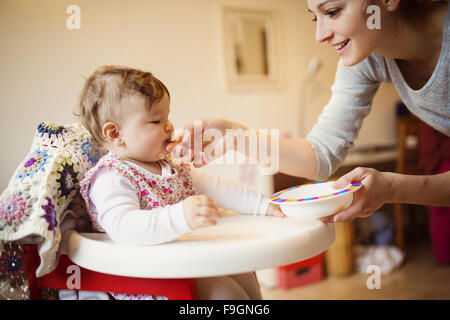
(43, 190)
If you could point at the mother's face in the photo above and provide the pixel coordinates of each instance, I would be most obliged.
(343, 24)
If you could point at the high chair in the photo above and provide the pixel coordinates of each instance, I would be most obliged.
(90, 280)
(173, 289)
(237, 244)
(45, 186)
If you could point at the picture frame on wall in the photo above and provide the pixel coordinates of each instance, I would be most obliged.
(253, 49)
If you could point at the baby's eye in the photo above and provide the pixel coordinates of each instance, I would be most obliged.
(155, 122)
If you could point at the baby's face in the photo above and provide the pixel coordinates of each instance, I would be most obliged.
(146, 134)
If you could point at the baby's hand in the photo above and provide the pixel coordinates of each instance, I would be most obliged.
(200, 211)
(275, 211)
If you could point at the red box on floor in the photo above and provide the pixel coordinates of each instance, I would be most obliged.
(301, 273)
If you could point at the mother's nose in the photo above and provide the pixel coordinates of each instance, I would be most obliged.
(323, 32)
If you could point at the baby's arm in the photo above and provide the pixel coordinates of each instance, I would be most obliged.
(119, 213)
(232, 196)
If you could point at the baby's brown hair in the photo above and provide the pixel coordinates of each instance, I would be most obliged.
(106, 88)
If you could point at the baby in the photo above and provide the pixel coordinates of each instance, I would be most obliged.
(136, 193)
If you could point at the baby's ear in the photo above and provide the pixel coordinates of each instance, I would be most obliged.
(111, 132)
(391, 5)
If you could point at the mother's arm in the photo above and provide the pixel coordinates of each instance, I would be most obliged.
(320, 153)
(294, 156)
(388, 187)
(341, 119)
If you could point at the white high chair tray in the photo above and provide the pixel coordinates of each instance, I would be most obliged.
(237, 244)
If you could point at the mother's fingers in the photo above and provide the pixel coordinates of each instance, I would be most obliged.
(202, 143)
(348, 214)
(211, 150)
(172, 144)
(202, 162)
(327, 219)
(354, 210)
(178, 151)
(355, 175)
(190, 146)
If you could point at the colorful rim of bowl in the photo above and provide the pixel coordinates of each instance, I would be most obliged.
(276, 196)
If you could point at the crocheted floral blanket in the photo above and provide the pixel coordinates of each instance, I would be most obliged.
(43, 190)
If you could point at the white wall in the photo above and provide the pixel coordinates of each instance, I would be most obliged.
(43, 65)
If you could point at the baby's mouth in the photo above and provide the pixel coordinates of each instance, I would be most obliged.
(168, 146)
(173, 142)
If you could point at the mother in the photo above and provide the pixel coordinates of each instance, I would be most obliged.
(411, 50)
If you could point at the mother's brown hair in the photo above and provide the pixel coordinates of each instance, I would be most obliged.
(414, 8)
(411, 11)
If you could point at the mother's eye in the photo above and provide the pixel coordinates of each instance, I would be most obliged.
(333, 12)
(330, 12)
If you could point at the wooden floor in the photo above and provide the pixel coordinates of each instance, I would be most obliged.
(419, 278)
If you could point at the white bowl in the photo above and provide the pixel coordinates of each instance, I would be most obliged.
(314, 200)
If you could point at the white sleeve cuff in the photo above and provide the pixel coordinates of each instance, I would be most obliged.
(264, 205)
(179, 218)
(229, 195)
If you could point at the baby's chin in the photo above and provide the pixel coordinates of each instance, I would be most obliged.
(162, 155)
(167, 148)
(153, 157)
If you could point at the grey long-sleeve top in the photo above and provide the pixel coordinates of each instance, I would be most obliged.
(352, 94)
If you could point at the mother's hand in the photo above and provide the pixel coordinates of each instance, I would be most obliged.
(376, 191)
(203, 141)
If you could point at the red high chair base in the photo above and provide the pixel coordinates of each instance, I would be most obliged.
(173, 289)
